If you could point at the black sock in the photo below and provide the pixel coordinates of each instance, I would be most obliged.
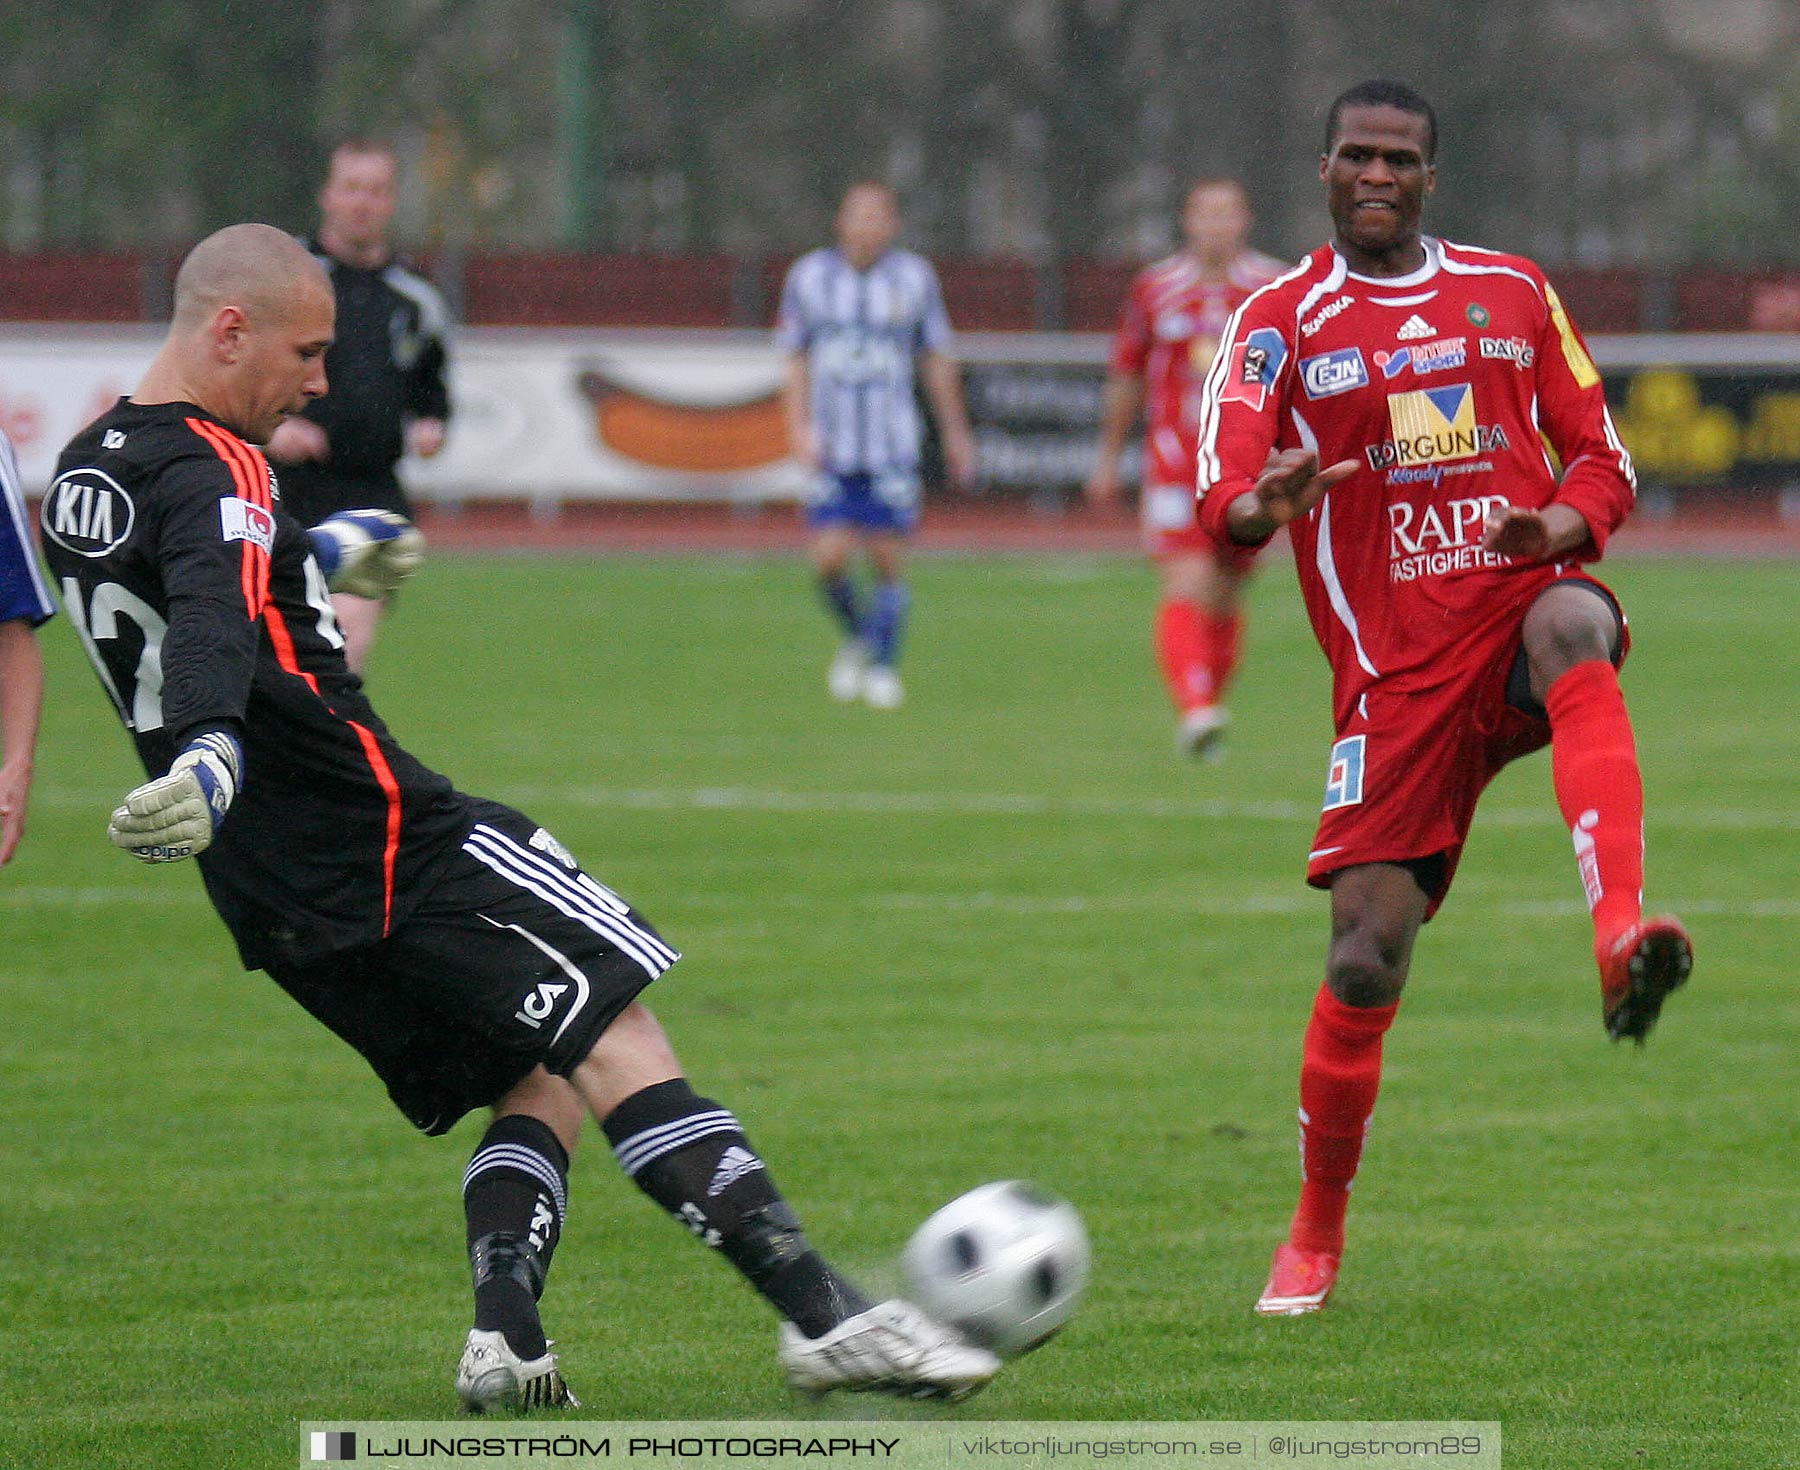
(690, 1156)
(839, 593)
(514, 1196)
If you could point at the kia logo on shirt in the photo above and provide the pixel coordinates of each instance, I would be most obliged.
(87, 512)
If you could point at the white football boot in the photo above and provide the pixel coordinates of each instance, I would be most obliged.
(846, 674)
(492, 1376)
(1201, 732)
(882, 688)
(891, 1348)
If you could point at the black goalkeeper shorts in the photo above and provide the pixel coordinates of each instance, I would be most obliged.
(515, 957)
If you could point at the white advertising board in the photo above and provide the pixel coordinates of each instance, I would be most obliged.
(548, 416)
(540, 416)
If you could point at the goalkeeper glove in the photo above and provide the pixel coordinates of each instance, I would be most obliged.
(177, 815)
(367, 552)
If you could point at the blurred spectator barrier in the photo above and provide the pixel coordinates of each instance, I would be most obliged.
(553, 415)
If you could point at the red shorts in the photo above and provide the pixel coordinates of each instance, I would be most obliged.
(1172, 528)
(1408, 767)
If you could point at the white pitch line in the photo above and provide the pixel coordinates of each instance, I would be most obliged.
(991, 803)
(1027, 907)
(1297, 901)
(1272, 905)
(1008, 804)
(27, 895)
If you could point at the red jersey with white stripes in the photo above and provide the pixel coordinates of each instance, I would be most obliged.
(1457, 388)
(1174, 320)
(201, 606)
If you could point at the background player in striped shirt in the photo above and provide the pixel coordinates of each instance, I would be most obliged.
(1440, 553)
(1174, 317)
(454, 943)
(856, 320)
(24, 604)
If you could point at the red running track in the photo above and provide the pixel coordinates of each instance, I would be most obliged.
(969, 528)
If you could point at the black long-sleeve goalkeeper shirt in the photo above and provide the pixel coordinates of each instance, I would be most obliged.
(201, 607)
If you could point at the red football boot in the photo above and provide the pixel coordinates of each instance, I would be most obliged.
(1638, 971)
(1299, 1282)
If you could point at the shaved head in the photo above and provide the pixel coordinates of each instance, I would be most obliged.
(253, 316)
(255, 268)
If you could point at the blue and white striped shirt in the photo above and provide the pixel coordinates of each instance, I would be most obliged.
(861, 332)
(23, 591)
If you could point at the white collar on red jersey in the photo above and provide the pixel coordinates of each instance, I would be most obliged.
(1434, 260)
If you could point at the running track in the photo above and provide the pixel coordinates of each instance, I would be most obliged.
(971, 527)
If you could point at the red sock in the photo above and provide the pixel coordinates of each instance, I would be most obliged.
(1593, 762)
(1184, 650)
(1340, 1073)
(1226, 635)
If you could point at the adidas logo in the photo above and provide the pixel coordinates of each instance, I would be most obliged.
(734, 1164)
(1415, 328)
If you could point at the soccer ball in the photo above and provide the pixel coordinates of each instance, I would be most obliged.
(1004, 1264)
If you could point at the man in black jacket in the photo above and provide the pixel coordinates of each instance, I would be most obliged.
(386, 370)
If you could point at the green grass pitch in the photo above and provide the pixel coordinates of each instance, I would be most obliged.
(1002, 932)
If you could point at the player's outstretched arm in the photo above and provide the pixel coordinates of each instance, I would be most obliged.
(21, 699)
(1121, 400)
(367, 553)
(942, 376)
(1290, 485)
(796, 405)
(177, 816)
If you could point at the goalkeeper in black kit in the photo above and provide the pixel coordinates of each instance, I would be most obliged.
(452, 941)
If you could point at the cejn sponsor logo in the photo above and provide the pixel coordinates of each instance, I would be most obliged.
(1324, 314)
(1431, 540)
(1332, 373)
(1516, 350)
(1434, 426)
(1427, 357)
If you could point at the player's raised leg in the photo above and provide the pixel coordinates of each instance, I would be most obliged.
(1571, 635)
(515, 1199)
(1376, 910)
(690, 1155)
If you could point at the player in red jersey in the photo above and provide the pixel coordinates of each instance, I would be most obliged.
(1438, 551)
(1173, 321)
